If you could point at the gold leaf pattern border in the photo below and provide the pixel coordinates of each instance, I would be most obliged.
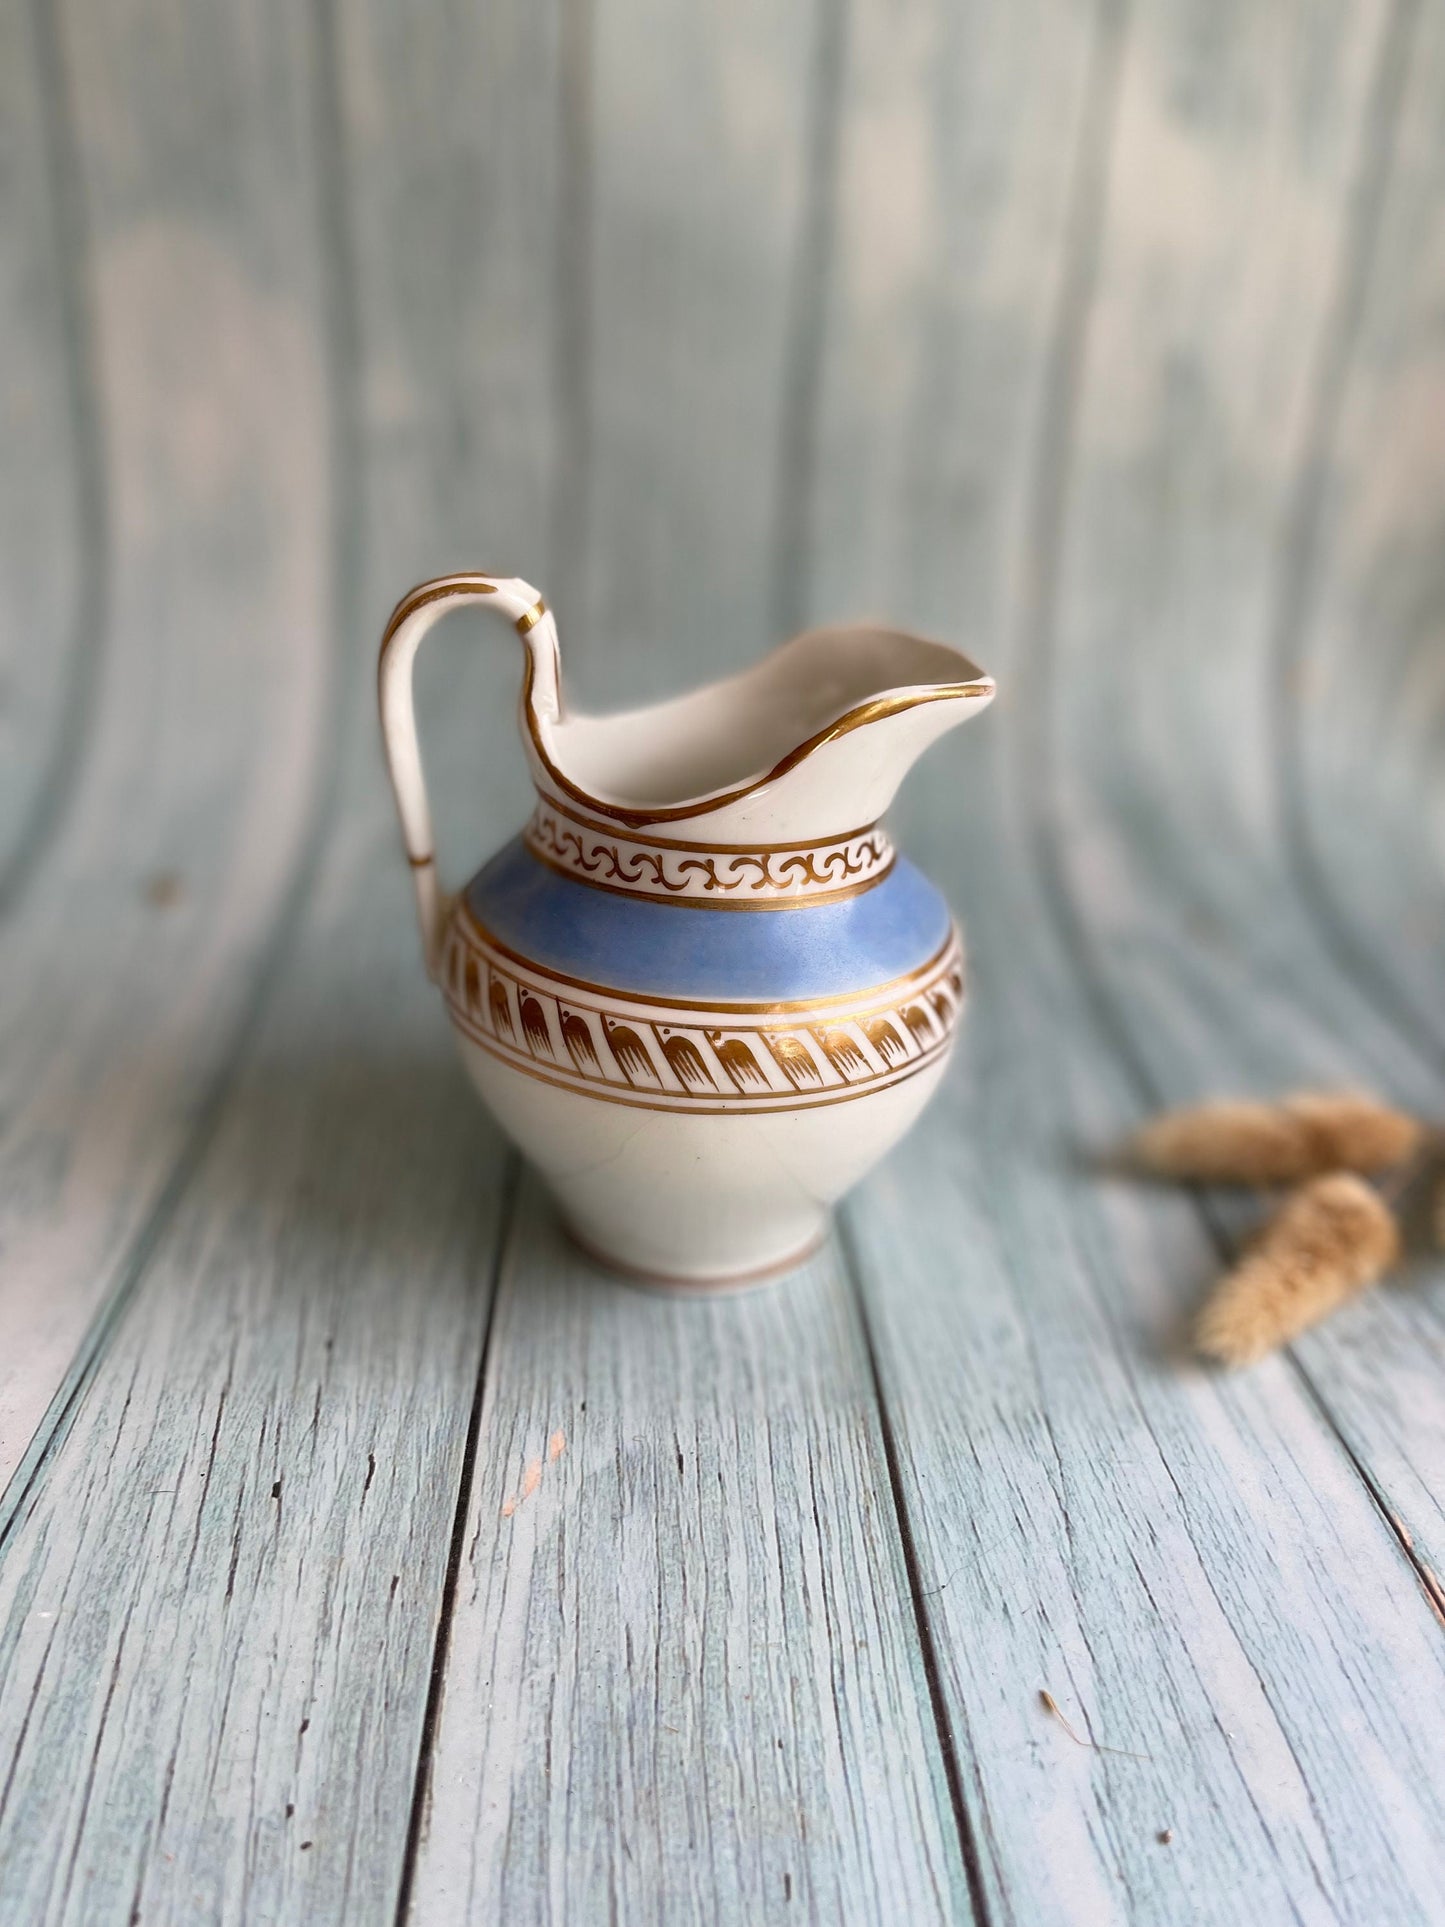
(636, 1050)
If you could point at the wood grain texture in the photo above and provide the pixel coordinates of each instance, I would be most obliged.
(1359, 697)
(219, 1610)
(1362, 658)
(683, 1679)
(684, 271)
(1099, 1519)
(368, 1559)
(1209, 959)
(453, 192)
(133, 953)
(224, 1591)
(1095, 1517)
(681, 1684)
(50, 470)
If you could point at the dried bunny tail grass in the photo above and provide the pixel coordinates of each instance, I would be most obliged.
(1228, 1141)
(1241, 1141)
(1353, 1131)
(1330, 1239)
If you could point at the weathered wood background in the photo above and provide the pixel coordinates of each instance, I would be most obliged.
(1108, 339)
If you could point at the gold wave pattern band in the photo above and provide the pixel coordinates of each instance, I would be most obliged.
(716, 876)
(600, 823)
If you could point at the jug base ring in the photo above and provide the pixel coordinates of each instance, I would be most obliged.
(722, 1284)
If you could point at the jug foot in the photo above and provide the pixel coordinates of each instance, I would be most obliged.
(722, 1284)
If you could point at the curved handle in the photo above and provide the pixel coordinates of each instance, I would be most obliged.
(413, 616)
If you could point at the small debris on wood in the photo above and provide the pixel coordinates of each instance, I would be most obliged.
(1051, 1705)
(1164, 1836)
(164, 889)
(933, 1591)
(532, 1477)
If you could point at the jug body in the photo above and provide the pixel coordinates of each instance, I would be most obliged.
(701, 1040)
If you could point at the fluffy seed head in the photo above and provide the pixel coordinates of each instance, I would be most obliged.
(1239, 1141)
(1353, 1131)
(1329, 1240)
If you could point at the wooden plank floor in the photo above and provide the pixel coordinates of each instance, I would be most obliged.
(365, 1554)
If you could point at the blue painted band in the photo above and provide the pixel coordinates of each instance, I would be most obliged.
(668, 950)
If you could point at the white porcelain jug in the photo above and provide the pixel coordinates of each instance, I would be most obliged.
(701, 991)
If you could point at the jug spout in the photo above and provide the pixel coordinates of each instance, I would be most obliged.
(811, 743)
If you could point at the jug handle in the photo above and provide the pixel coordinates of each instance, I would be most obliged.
(413, 616)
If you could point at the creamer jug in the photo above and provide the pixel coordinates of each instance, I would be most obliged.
(701, 991)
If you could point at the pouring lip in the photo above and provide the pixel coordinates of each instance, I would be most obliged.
(980, 687)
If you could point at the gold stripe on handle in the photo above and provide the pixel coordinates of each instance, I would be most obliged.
(428, 592)
(528, 622)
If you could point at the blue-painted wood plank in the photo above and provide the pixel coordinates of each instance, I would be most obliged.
(880, 309)
(1361, 665)
(1215, 957)
(221, 1591)
(159, 875)
(682, 1679)
(1195, 1569)
(50, 459)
